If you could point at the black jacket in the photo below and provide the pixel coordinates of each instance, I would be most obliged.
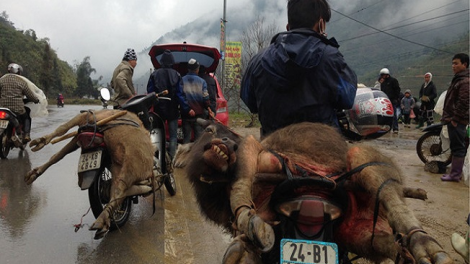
(391, 88)
(431, 92)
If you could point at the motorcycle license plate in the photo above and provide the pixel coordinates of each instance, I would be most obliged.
(308, 252)
(89, 161)
(3, 123)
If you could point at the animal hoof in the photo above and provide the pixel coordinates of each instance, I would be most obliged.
(262, 234)
(257, 231)
(234, 252)
(100, 234)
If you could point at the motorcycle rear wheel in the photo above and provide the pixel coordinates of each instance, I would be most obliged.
(5, 145)
(429, 148)
(169, 178)
(99, 195)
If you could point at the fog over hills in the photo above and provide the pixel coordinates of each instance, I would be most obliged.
(372, 34)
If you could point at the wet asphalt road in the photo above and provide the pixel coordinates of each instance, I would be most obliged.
(37, 221)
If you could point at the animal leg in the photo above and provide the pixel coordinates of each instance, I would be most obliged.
(39, 143)
(248, 223)
(401, 219)
(33, 174)
(117, 195)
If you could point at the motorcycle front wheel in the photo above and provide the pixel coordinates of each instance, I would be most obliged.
(4, 144)
(429, 148)
(99, 196)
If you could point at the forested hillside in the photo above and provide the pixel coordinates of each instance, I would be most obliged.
(409, 37)
(40, 63)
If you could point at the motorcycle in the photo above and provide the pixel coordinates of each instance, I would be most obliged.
(95, 161)
(8, 130)
(433, 146)
(60, 102)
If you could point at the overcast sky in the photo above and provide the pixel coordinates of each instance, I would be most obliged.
(104, 29)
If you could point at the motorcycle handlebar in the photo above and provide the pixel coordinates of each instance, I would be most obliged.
(164, 92)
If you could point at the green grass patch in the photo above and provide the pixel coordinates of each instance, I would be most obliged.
(242, 120)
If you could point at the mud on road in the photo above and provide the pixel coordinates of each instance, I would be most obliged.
(447, 207)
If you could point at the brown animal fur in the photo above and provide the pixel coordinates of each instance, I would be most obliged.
(131, 154)
(244, 184)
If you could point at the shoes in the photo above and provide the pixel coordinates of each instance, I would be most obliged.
(395, 131)
(448, 177)
(26, 138)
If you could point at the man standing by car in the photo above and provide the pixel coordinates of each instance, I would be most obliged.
(211, 88)
(197, 95)
(166, 78)
(122, 78)
(12, 90)
(456, 115)
(301, 76)
(391, 88)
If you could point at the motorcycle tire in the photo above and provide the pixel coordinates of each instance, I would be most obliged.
(429, 148)
(169, 179)
(99, 195)
(5, 144)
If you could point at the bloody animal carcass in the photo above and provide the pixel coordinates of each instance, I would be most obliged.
(234, 179)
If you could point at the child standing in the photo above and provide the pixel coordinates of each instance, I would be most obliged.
(407, 104)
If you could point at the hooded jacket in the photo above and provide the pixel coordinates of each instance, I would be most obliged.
(301, 76)
(166, 78)
(456, 102)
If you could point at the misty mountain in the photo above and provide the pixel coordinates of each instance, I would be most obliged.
(408, 37)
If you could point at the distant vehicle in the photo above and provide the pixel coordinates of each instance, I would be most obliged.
(205, 55)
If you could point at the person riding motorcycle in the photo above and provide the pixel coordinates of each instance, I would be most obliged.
(12, 90)
(60, 99)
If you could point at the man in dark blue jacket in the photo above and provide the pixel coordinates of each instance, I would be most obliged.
(166, 78)
(301, 76)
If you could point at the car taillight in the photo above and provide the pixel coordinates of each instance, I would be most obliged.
(221, 107)
(88, 140)
(3, 115)
(311, 217)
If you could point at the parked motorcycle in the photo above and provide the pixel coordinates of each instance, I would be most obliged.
(430, 146)
(8, 123)
(434, 146)
(95, 161)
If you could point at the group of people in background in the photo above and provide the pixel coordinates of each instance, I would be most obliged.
(406, 106)
(455, 113)
(191, 97)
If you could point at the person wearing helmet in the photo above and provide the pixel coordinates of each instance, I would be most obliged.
(391, 88)
(12, 91)
(122, 78)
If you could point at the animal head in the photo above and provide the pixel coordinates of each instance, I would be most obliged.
(212, 155)
(208, 164)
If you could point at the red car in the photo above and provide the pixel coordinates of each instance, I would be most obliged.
(205, 55)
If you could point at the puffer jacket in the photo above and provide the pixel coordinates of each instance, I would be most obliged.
(122, 83)
(456, 102)
(301, 76)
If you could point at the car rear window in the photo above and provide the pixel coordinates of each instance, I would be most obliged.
(182, 57)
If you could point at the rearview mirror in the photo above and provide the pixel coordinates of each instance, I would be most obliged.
(105, 93)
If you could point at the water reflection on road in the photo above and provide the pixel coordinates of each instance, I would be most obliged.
(37, 221)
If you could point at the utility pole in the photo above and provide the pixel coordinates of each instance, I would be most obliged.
(222, 44)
